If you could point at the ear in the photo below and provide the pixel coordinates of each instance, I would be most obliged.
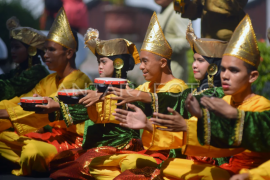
(163, 62)
(253, 76)
(70, 53)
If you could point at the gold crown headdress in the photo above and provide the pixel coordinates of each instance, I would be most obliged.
(243, 43)
(111, 47)
(60, 31)
(32, 37)
(204, 46)
(155, 41)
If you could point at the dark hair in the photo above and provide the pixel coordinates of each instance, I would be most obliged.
(249, 67)
(76, 39)
(168, 61)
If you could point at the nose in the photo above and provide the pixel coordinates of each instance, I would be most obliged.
(46, 54)
(194, 65)
(100, 66)
(142, 66)
(224, 75)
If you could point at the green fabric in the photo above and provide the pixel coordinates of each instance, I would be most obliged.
(110, 134)
(177, 102)
(96, 135)
(255, 136)
(222, 160)
(220, 127)
(78, 113)
(47, 128)
(16, 83)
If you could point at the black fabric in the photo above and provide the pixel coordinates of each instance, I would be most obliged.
(217, 80)
(128, 64)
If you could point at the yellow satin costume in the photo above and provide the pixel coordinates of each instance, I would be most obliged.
(250, 54)
(192, 147)
(260, 173)
(20, 149)
(108, 167)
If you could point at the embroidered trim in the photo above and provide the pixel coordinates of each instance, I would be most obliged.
(56, 113)
(239, 127)
(66, 115)
(153, 104)
(156, 102)
(198, 93)
(207, 126)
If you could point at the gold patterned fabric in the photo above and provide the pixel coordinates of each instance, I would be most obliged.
(110, 47)
(27, 35)
(243, 43)
(204, 46)
(155, 41)
(60, 31)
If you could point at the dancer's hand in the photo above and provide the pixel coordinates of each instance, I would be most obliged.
(133, 120)
(173, 123)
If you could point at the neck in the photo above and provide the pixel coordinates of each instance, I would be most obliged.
(66, 71)
(164, 78)
(242, 96)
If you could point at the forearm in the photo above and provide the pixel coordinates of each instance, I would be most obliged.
(4, 114)
(144, 97)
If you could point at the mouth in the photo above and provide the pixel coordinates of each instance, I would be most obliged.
(195, 72)
(100, 72)
(47, 62)
(145, 73)
(13, 57)
(225, 86)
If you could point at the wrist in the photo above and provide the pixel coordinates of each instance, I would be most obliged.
(200, 114)
(138, 96)
(233, 114)
(149, 126)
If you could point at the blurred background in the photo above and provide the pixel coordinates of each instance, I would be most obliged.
(118, 18)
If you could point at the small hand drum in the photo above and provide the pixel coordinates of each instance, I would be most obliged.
(69, 96)
(29, 103)
(102, 84)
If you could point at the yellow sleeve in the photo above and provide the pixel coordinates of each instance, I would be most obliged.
(28, 121)
(192, 147)
(162, 140)
(260, 173)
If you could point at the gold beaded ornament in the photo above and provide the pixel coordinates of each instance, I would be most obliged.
(212, 70)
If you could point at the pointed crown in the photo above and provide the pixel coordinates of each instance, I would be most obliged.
(60, 31)
(243, 43)
(110, 47)
(155, 41)
(27, 35)
(204, 46)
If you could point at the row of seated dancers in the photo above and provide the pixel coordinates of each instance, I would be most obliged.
(218, 130)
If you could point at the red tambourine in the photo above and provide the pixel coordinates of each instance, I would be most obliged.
(103, 83)
(29, 103)
(70, 96)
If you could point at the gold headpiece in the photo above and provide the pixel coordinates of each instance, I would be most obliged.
(243, 43)
(27, 35)
(204, 46)
(110, 47)
(155, 41)
(60, 31)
